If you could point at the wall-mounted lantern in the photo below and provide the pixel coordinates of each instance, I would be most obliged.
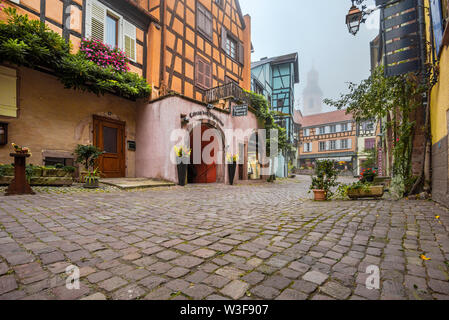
(3, 133)
(354, 19)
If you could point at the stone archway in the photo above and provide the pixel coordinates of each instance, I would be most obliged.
(207, 173)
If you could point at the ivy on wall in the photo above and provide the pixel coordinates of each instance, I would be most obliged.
(262, 110)
(32, 44)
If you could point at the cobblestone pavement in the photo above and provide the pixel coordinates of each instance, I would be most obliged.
(262, 241)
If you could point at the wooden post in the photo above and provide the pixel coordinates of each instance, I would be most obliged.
(19, 184)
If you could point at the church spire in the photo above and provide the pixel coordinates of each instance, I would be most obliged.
(312, 94)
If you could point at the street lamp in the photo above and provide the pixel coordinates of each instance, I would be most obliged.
(354, 19)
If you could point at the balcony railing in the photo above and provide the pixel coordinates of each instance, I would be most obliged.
(227, 91)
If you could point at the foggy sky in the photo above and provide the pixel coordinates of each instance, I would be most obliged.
(315, 29)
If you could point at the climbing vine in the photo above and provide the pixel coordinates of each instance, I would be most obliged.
(262, 109)
(394, 98)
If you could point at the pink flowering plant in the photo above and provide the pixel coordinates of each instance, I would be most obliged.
(104, 56)
(1, 5)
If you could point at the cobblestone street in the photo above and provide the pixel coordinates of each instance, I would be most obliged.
(261, 241)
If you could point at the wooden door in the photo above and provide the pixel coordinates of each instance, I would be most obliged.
(109, 136)
(204, 173)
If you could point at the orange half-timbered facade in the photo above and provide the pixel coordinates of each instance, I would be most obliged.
(195, 54)
(207, 43)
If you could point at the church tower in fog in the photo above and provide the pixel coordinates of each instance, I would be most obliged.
(312, 94)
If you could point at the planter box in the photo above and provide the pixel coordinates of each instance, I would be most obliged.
(371, 192)
(37, 172)
(51, 181)
(41, 181)
(9, 172)
(50, 172)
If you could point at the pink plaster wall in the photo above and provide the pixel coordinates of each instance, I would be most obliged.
(155, 123)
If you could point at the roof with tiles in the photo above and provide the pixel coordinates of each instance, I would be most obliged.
(326, 118)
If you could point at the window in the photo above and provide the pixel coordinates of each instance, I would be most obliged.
(258, 88)
(203, 72)
(109, 27)
(306, 132)
(323, 146)
(307, 147)
(219, 2)
(333, 145)
(111, 31)
(204, 21)
(333, 129)
(370, 144)
(281, 103)
(231, 48)
(344, 127)
(344, 144)
(8, 92)
(322, 130)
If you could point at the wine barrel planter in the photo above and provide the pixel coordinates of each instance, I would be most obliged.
(376, 192)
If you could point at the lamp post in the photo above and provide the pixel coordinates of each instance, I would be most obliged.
(356, 17)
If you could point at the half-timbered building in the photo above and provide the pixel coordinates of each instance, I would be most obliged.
(195, 54)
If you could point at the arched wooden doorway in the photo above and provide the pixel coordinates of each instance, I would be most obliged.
(204, 172)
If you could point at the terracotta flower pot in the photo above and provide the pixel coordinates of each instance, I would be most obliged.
(320, 195)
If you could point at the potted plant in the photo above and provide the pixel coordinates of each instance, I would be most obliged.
(87, 155)
(232, 166)
(92, 179)
(368, 175)
(326, 178)
(182, 161)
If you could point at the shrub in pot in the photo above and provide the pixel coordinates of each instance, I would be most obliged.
(87, 155)
(325, 179)
(182, 162)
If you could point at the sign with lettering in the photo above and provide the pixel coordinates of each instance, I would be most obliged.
(240, 110)
(208, 114)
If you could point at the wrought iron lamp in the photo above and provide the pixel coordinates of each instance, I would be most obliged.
(354, 19)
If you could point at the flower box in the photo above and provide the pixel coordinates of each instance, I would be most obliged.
(368, 192)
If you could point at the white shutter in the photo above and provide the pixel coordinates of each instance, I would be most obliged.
(327, 145)
(97, 19)
(349, 143)
(129, 40)
(328, 129)
(88, 26)
(338, 127)
(338, 145)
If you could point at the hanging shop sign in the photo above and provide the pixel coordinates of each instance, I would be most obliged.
(400, 36)
(240, 110)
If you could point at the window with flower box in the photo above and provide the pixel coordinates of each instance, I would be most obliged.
(109, 27)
